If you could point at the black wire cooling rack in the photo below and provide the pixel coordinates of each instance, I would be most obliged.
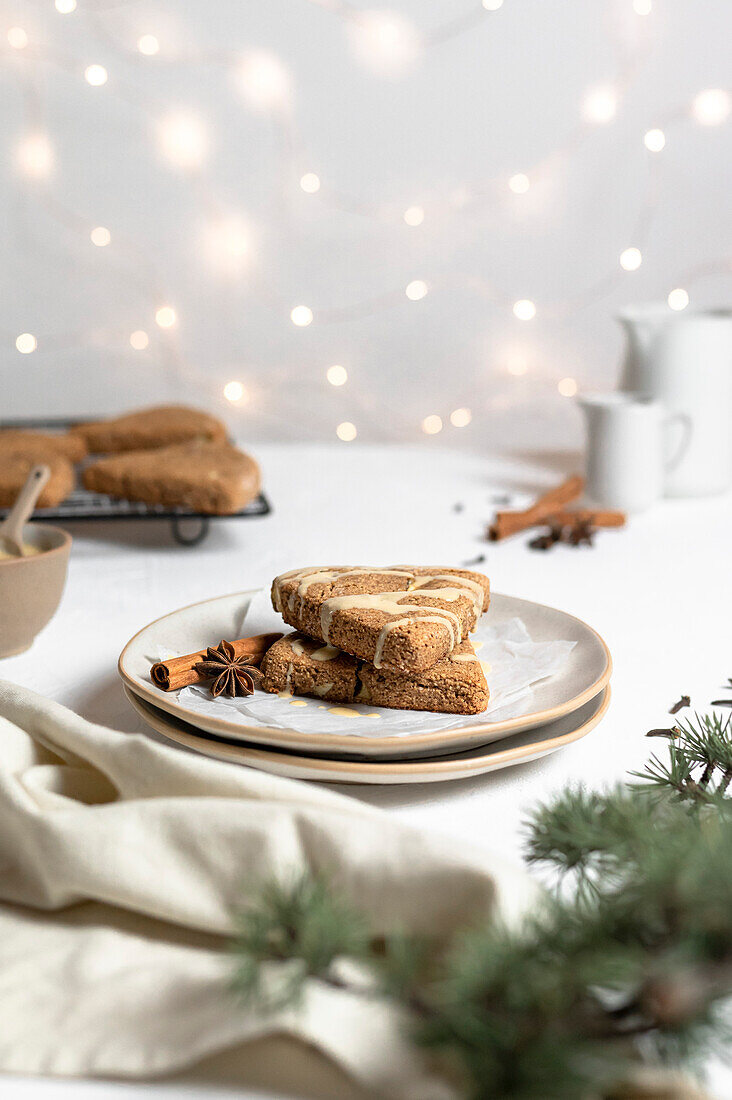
(188, 528)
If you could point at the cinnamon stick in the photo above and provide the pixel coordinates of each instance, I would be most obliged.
(600, 517)
(506, 524)
(178, 672)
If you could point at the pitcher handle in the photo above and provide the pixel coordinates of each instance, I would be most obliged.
(684, 421)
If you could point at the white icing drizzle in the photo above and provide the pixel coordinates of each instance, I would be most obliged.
(384, 633)
(471, 657)
(323, 577)
(388, 603)
(475, 587)
(277, 586)
(325, 653)
(315, 574)
(326, 576)
(322, 690)
(440, 618)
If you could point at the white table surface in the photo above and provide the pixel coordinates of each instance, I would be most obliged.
(659, 592)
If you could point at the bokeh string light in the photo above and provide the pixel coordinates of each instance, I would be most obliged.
(631, 259)
(655, 140)
(148, 45)
(387, 44)
(96, 75)
(337, 375)
(310, 183)
(165, 317)
(302, 316)
(17, 38)
(100, 236)
(346, 431)
(183, 140)
(234, 392)
(678, 298)
(139, 339)
(26, 343)
(460, 418)
(432, 424)
(416, 290)
(524, 309)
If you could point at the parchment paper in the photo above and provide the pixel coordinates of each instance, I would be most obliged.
(512, 663)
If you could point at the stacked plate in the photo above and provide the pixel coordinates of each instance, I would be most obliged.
(560, 709)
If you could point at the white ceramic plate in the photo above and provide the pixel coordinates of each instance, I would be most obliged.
(518, 749)
(585, 674)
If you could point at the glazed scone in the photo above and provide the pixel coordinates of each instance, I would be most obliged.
(15, 467)
(403, 618)
(297, 664)
(147, 428)
(213, 478)
(305, 667)
(40, 444)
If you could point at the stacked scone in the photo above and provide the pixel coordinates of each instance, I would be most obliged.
(394, 637)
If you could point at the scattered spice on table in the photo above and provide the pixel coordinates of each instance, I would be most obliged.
(577, 533)
(684, 701)
(545, 542)
(581, 533)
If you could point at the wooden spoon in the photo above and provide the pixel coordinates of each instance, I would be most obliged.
(11, 529)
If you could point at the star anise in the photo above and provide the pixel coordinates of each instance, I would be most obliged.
(231, 675)
(553, 535)
(581, 533)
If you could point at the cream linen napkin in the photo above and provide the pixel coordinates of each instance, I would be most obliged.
(122, 861)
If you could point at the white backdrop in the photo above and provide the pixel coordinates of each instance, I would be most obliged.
(191, 159)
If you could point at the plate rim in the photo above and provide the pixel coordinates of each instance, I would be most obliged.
(347, 742)
(351, 770)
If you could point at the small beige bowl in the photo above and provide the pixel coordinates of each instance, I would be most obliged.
(31, 588)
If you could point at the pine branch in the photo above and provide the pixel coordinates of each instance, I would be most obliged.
(700, 760)
(630, 960)
(302, 924)
(587, 833)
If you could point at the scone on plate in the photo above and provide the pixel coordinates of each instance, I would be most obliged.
(15, 467)
(213, 478)
(404, 618)
(147, 428)
(297, 664)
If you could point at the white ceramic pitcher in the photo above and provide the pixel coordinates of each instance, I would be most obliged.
(684, 360)
(630, 449)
